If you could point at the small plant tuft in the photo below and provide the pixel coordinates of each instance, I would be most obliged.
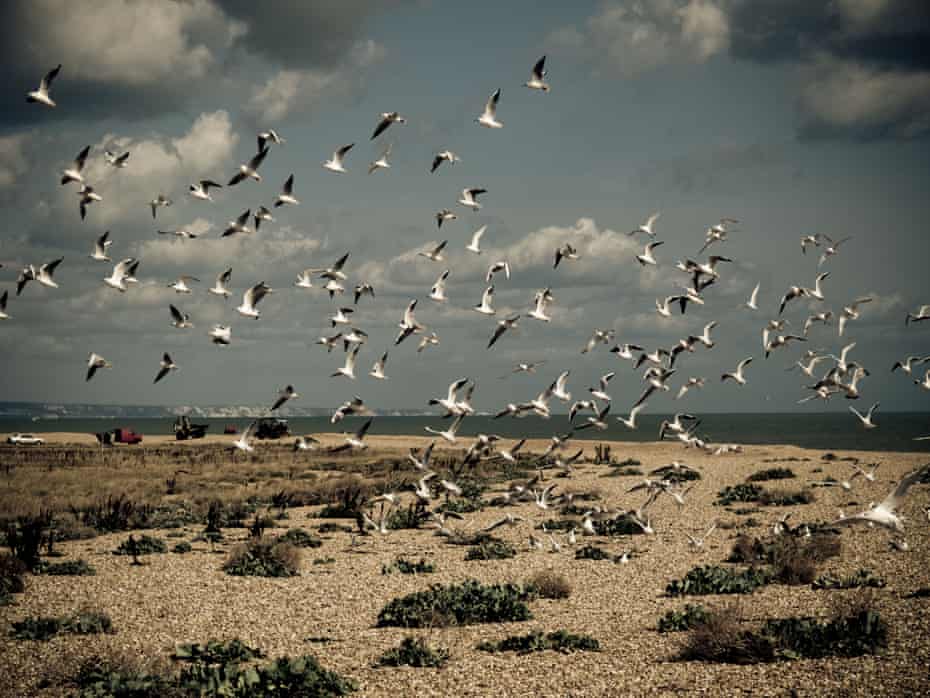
(491, 550)
(405, 566)
(414, 652)
(686, 618)
(771, 474)
(263, 558)
(560, 641)
(68, 568)
(549, 584)
(458, 604)
(713, 579)
(300, 538)
(591, 552)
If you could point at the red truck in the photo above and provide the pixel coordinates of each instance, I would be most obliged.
(126, 436)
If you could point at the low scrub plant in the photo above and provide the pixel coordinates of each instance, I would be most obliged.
(43, 628)
(679, 620)
(300, 538)
(713, 579)
(143, 545)
(491, 550)
(861, 578)
(560, 641)
(405, 566)
(591, 552)
(12, 570)
(549, 584)
(771, 474)
(467, 603)
(69, 568)
(414, 652)
(263, 558)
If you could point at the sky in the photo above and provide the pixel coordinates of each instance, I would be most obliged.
(793, 117)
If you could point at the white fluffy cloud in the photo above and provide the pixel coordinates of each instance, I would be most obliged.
(13, 161)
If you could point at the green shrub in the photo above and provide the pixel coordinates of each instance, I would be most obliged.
(70, 568)
(713, 579)
(44, 628)
(26, 535)
(457, 604)
(99, 677)
(560, 641)
(40, 628)
(739, 493)
(300, 538)
(686, 618)
(143, 545)
(182, 547)
(405, 566)
(861, 578)
(491, 550)
(115, 513)
(771, 474)
(87, 623)
(413, 516)
(414, 652)
(216, 652)
(785, 498)
(550, 585)
(11, 578)
(330, 527)
(263, 558)
(622, 525)
(591, 552)
(861, 633)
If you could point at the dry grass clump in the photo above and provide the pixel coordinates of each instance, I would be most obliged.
(263, 557)
(796, 560)
(721, 638)
(550, 585)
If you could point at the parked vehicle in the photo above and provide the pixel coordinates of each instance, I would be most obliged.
(183, 429)
(230, 429)
(271, 428)
(121, 435)
(25, 440)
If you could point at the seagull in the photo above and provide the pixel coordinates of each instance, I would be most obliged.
(421, 462)
(41, 95)
(867, 474)
(88, 196)
(448, 434)
(908, 363)
(817, 292)
(566, 251)
(330, 342)
(243, 443)
(598, 337)
(704, 337)
(866, 419)
(809, 240)
(239, 225)
(285, 394)
(510, 454)
(507, 520)
(43, 275)
(100, 248)
(304, 279)
(201, 190)
(542, 300)
(167, 365)
(444, 156)
(851, 312)
(178, 319)
(885, 513)
(221, 334)
(663, 308)
(536, 81)
(432, 339)
(354, 406)
(793, 292)
(363, 290)
(220, 286)
(95, 361)
(488, 117)
(503, 266)
(422, 490)
(349, 369)
(341, 317)
(306, 443)
(159, 201)
(377, 370)
(646, 227)
(808, 370)
(923, 313)
(180, 285)
(251, 299)
(262, 214)
(737, 375)
(601, 392)
(625, 351)
(287, 194)
(753, 302)
(269, 136)
(382, 162)
(74, 173)
(438, 291)
(503, 326)
(181, 233)
(3, 299)
(830, 249)
(334, 272)
(408, 324)
(781, 340)
(692, 383)
(716, 233)
(443, 216)
(435, 254)
(469, 198)
(558, 387)
(823, 317)
(646, 257)
(387, 118)
(117, 161)
(334, 164)
(485, 307)
(925, 383)
(474, 245)
(697, 542)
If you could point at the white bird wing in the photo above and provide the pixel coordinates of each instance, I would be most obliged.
(476, 236)
(894, 500)
(491, 107)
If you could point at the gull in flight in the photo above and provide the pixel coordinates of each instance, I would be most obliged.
(566, 251)
(488, 117)
(41, 95)
(753, 302)
(334, 272)
(330, 342)
(831, 247)
(349, 369)
(43, 275)
(3, 299)
(269, 136)
(363, 290)
(304, 279)
(341, 317)
(262, 214)
(221, 334)
(793, 292)
(485, 307)
(925, 383)
(510, 454)
(866, 418)
(180, 285)
(377, 371)
(159, 201)
(444, 156)
(387, 118)
(167, 366)
(451, 402)
(526, 368)
(542, 300)
(95, 361)
(421, 462)
(885, 513)
(244, 442)
(438, 291)
(435, 254)
(716, 233)
(625, 351)
(646, 228)
(74, 173)
(286, 197)
(285, 394)
(469, 198)
(598, 337)
(220, 287)
(117, 161)
(503, 266)
(823, 317)
(817, 292)
(382, 162)
(646, 257)
(507, 520)
(334, 164)
(475, 244)
(408, 324)
(443, 216)
(807, 240)
(100, 248)
(450, 433)
(537, 81)
(923, 313)
(908, 364)
(697, 542)
(239, 225)
(601, 392)
(737, 375)
(430, 340)
(692, 383)
(201, 190)
(181, 233)
(178, 319)
(851, 312)
(781, 340)
(306, 443)
(503, 326)
(664, 309)
(354, 406)
(808, 369)
(251, 299)
(88, 196)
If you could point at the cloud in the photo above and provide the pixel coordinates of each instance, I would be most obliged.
(13, 162)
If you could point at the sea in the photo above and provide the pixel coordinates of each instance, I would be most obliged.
(822, 431)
